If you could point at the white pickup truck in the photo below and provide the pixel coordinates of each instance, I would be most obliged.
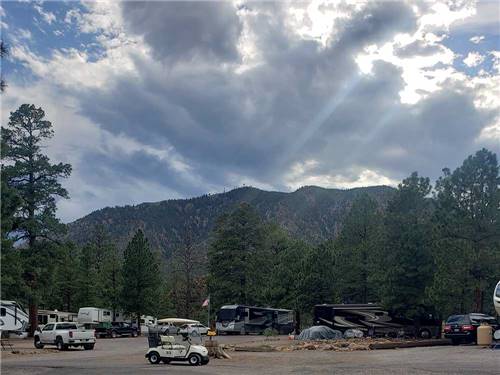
(63, 335)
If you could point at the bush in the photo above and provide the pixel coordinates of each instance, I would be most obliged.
(270, 332)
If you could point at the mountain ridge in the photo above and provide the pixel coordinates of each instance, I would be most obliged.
(310, 213)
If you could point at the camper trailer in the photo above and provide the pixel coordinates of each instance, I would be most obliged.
(54, 316)
(496, 298)
(13, 318)
(91, 316)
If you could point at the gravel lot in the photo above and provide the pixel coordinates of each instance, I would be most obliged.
(126, 356)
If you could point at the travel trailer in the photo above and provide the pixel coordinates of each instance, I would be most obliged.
(54, 316)
(241, 319)
(13, 318)
(93, 316)
(496, 298)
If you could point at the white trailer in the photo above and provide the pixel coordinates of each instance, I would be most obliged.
(94, 315)
(55, 316)
(13, 318)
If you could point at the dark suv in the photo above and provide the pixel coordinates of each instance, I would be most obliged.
(463, 328)
(115, 329)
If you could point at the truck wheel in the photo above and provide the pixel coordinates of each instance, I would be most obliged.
(424, 334)
(38, 343)
(154, 358)
(60, 344)
(134, 333)
(88, 346)
(114, 335)
(194, 359)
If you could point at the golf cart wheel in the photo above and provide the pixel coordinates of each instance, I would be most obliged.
(38, 343)
(154, 358)
(194, 360)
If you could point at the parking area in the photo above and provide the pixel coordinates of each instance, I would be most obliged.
(126, 356)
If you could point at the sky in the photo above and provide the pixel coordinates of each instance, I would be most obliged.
(160, 100)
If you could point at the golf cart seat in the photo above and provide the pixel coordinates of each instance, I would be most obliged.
(167, 339)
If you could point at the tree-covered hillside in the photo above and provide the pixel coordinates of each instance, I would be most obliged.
(311, 213)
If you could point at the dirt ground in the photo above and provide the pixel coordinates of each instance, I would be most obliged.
(126, 356)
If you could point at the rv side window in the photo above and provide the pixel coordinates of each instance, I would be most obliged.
(3, 312)
(107, 313)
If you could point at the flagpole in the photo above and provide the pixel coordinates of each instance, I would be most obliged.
(208, 321)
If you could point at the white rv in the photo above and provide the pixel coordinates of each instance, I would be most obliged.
(496, 298)
(13, 318)
(54, 316)
(94, 315)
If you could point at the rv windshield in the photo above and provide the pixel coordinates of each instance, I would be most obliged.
(226, 314)
(497, 292)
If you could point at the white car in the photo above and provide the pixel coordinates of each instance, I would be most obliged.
(190, 328)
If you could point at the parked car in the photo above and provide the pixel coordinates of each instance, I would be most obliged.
(189, 328)
(463, 328)
(115, 329)
(64, 335)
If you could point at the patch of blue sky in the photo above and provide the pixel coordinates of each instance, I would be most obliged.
(45, 37)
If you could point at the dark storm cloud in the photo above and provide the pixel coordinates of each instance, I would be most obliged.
(259, 122)
(181, 30)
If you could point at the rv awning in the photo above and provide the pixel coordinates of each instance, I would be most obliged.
(177, 321)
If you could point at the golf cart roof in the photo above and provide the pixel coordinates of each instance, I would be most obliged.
(177, 321)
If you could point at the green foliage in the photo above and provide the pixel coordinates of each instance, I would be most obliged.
(408, 248)
(357, 255)
(31, 174)
(468, 225)
(140, 277)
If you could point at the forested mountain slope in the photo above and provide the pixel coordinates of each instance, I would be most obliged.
(311, 213)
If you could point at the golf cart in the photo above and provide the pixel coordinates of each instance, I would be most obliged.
(168, 349)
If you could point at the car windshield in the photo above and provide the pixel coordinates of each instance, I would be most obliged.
(458, 319)
(226, 314)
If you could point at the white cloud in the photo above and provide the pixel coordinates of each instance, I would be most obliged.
(48, 17)
(477, 39)
(473, 59)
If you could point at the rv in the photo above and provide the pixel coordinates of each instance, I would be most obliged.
(243, 320)
(13, 318)
(54, 316)
(496, 298)
(373, 321)
(91, 316)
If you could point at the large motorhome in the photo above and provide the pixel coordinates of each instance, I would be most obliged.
(54, 316)
(13, 318)
(372, 320)
(242, 319)
(91, 316)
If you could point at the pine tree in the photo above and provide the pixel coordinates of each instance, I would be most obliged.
(357, 252)
(141, 280)
(408, 248)
(468, 219)
(28, 172)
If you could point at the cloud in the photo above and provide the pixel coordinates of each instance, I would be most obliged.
(182, 99)
(209, 29)
(477, 39)
(473, 59)
(48, 17)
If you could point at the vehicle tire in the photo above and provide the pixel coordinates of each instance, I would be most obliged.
(424, 334)
(60, 344)
(166, 361)
(134, 333)
(114, 335)
(88, 346)
(455, 341)
(154, 358)
(242, 331)
(194, 360)
(38, 343)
